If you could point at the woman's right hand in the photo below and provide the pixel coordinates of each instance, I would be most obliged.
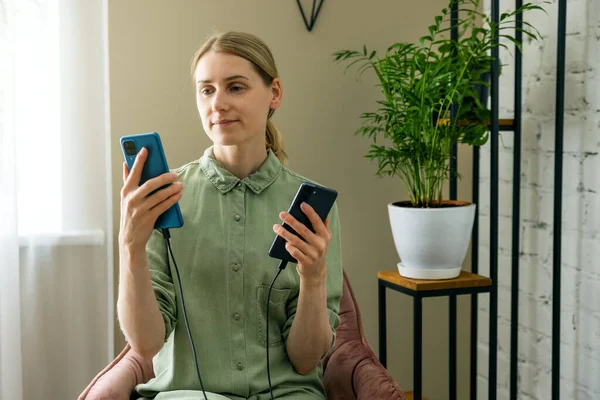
(139, 211)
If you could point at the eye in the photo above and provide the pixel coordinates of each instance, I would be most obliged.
(237, 88)
(204, 91)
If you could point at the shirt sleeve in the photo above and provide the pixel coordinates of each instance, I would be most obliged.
(161, 279)
(335, 279)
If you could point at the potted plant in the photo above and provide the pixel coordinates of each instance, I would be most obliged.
(421, 83)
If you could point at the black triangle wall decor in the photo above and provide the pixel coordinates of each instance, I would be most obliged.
(314, 13)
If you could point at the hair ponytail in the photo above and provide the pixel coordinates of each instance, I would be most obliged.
(274, 142)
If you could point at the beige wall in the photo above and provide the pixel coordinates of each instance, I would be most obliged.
(151, 44)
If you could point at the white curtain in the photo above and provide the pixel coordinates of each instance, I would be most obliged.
(56, 296)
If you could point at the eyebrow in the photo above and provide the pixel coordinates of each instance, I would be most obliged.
(226, 79)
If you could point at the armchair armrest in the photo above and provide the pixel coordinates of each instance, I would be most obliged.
(353, 372)
(372, 381)
(118, 380)
(351, 368)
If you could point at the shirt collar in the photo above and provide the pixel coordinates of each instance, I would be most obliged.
(224, 180)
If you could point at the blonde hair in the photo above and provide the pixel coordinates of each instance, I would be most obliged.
(253, 49)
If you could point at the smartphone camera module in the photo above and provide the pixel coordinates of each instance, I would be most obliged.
(129, 148)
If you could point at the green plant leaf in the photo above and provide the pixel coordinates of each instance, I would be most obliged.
(432, 29)
(412, 130)
(423, 39)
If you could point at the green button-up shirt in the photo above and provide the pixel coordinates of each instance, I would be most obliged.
(222, 256)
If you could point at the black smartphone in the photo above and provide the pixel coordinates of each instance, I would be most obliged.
(155, 165)
(320, 198)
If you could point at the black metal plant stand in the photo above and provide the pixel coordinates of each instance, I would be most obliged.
(466, 283)
(496, 125)
(516, 128)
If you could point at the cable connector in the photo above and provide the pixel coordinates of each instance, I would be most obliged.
(282, 265)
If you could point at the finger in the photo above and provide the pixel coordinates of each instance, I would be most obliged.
(298, 254)
(295, 241)
(299, 227)
(152, 184)
(163, 206)
(161, 195)
(125, 172)
(136, 171)
(314, 219)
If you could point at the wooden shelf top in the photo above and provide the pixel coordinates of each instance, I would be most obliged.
(465, 280)
(411, 395)
(501, 122)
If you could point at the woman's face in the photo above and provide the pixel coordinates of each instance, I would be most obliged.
(233, 100)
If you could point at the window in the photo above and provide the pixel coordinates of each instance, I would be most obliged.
(30, 110)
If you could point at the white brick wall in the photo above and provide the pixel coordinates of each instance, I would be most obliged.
(580, 305)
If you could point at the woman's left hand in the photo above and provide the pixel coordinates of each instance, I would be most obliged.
(310, 252)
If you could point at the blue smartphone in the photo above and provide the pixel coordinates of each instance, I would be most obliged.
(320, 198)
(155, 165)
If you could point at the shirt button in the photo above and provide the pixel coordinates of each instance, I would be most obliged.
(236, 217)
(236, 316)
(240, 366)
(236, 267)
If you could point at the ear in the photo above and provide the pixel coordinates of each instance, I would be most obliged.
(276, 94)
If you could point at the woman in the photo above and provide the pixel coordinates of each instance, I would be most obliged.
(232, 208)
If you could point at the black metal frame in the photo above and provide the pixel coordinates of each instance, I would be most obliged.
(494, 187)
(558, 177)
(516, 212)
(314, 13)
(418, 297)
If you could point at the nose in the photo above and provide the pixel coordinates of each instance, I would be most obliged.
(219, 101)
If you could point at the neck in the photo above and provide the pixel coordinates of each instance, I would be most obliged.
(241, 160)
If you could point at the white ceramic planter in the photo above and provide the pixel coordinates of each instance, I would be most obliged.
(431, 242)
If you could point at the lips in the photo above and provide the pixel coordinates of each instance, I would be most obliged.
(224, 122)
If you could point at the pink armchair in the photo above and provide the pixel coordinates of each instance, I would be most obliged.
(351, 369)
